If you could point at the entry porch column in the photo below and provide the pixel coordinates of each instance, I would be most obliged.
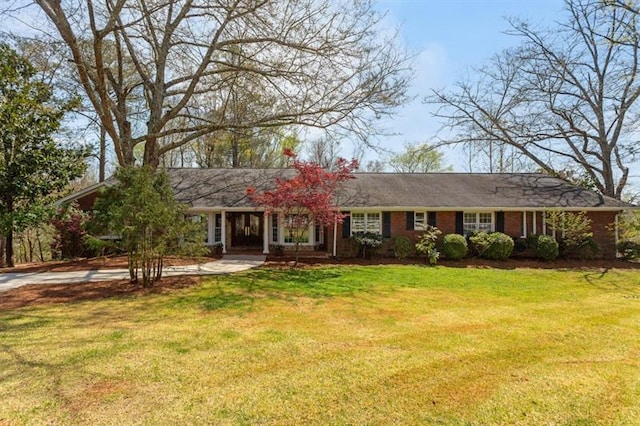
(265, 236)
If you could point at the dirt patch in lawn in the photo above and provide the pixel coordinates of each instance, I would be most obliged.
(42, 294)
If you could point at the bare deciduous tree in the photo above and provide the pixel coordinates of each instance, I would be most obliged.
(418, 158)
(565, 99)
(160, 73)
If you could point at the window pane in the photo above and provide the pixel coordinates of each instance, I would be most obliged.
(357, 222)
(485, 217)
(470, 218)
(373, 223)
(485, 221)
(420, 221)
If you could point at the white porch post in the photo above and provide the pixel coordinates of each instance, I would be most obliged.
(524, 223)
(223, 215)
(335, 236)
(265, 236)
(544, 223)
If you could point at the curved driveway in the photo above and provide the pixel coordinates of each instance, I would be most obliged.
(226, 265)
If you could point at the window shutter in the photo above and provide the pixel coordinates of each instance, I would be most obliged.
(431, 218)
(459, 223)
(346, 226)
(410, 225)
(500, 221)
(386, 224)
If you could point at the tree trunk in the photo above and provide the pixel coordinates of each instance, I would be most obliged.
(9, 248)
(2, 264)
(39, 240)
(102, 160)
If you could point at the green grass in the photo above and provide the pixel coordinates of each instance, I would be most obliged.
(348, 345)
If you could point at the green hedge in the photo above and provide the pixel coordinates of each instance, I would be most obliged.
(547, 247)
(454, 246)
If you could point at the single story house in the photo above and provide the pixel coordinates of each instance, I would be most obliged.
(392, 204)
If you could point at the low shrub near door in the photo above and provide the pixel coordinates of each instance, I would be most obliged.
(454, 246)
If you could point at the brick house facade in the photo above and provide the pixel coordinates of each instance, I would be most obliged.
(393, 204)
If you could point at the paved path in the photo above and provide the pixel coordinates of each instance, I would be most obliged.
(226, 265)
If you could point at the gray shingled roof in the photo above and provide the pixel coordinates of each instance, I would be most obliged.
(226, 188)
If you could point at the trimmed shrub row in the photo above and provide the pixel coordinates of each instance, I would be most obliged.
(499, 246)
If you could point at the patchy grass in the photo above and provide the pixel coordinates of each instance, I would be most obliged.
(337, 345)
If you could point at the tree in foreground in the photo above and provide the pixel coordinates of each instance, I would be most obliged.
(307, 197)
(161, 74)
(32, 164)
(566, 98)
(142, 211)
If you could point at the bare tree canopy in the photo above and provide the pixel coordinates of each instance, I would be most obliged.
(162, 73)
(566, 98)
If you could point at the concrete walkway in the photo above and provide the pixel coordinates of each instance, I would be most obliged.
(226, 265)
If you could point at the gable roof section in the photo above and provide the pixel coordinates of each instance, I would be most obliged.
(226, 188)
(471, 190)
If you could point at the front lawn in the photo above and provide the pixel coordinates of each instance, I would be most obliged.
(335, 345)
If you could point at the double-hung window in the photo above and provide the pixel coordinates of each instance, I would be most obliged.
(296, 229)
(420, 221)
(477, 221)
(366, 222)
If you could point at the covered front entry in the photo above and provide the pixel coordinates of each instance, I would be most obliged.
(247, 229)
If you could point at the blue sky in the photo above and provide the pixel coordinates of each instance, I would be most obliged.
(450, 37)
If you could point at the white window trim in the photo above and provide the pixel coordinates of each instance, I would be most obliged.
(477, 222)
(366, 220)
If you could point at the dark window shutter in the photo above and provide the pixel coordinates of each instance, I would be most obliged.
(500, 221)
(346, 226)
(386, 224)
(459, 223)
(431, 218)
(410, 221)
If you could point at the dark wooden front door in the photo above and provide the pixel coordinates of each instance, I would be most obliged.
(247, 229)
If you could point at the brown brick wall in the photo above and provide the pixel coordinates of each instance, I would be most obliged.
(602, 227)
(445, 221)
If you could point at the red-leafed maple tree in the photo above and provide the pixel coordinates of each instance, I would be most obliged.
(308, 197)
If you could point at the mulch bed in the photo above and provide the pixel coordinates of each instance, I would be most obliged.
(32, 295)
(43, 294)
(106, 262)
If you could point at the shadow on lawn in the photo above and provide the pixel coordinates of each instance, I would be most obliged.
(243, 290)
(603, 280)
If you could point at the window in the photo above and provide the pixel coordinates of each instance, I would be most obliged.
(420, 221)
(296, 229)
(274, 229)
(217, 229)
(477, 221)
(366, 222)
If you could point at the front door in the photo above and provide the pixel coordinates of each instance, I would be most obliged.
(247, 229)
